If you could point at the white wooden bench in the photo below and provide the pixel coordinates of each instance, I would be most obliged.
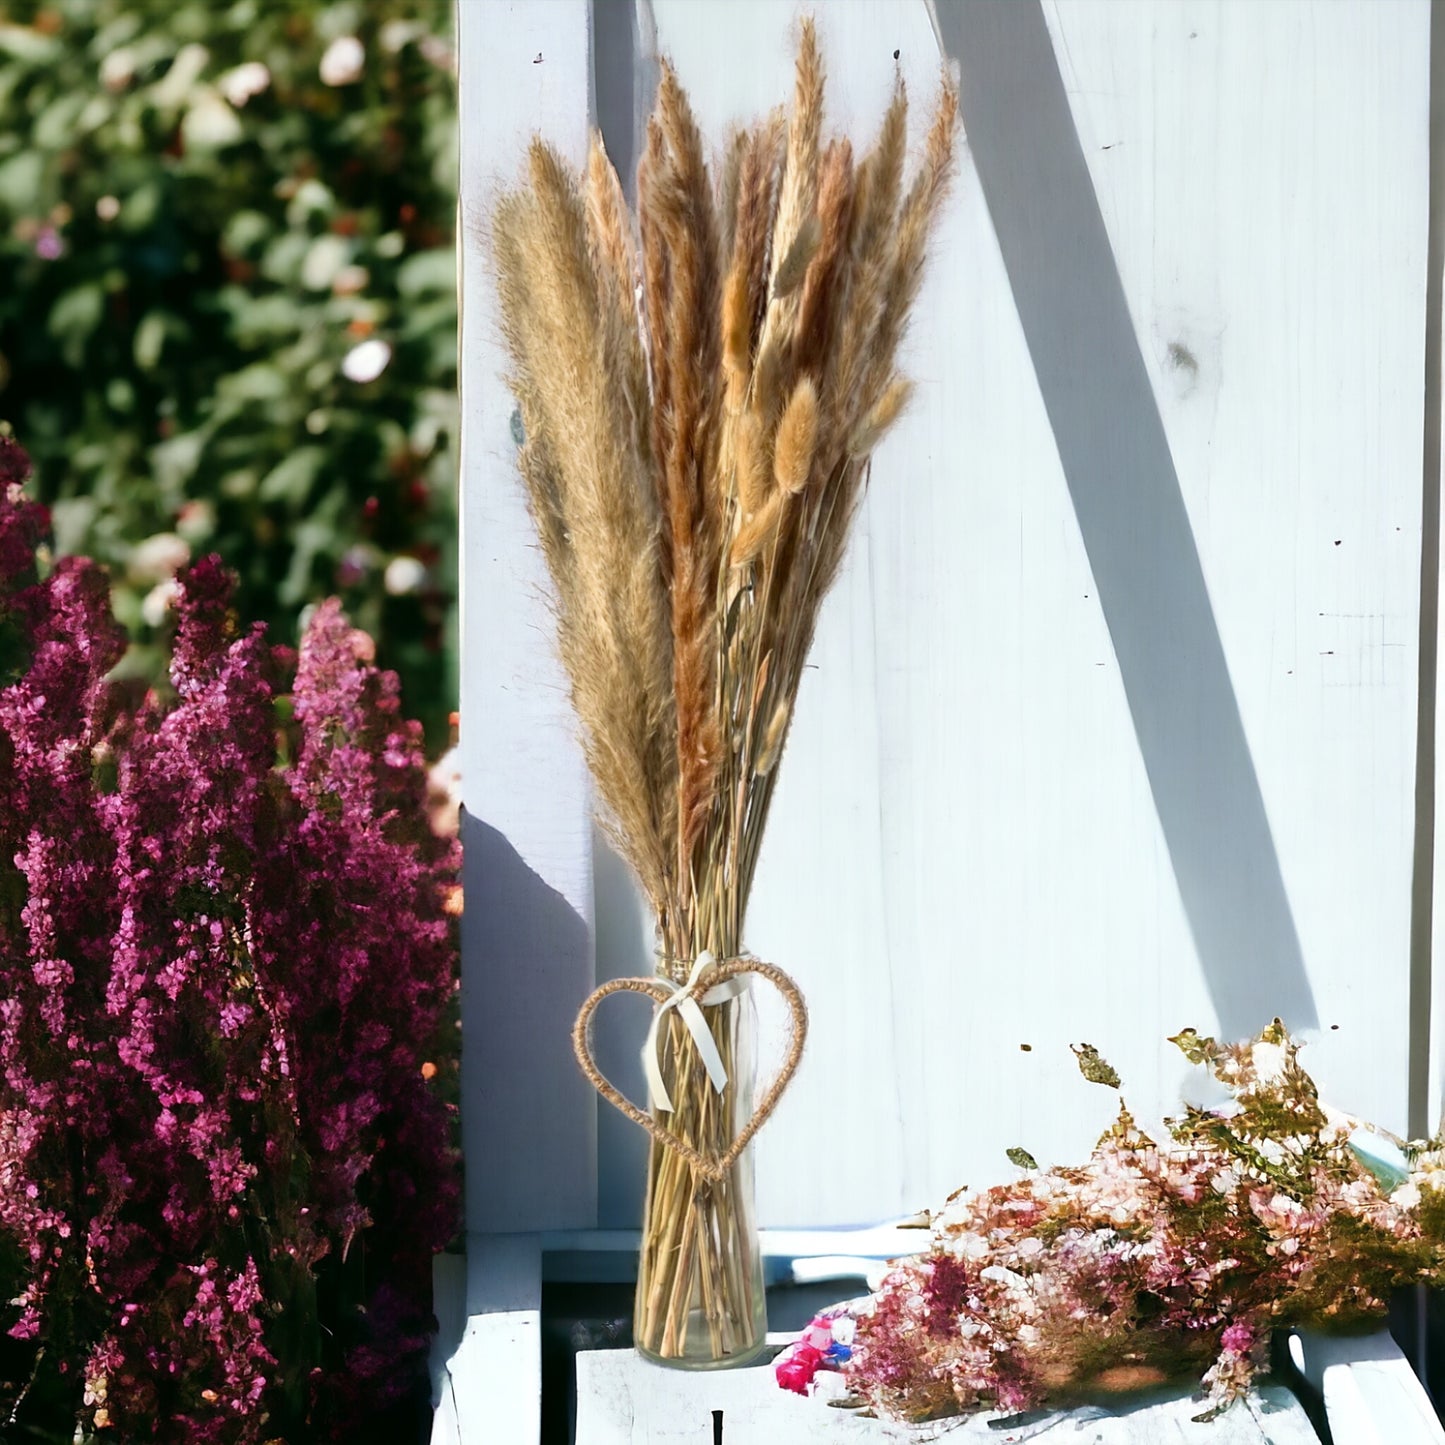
(1113, 726)
(627, 1401)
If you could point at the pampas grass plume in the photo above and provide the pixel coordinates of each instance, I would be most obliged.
(797, 437)
(759, 529)
(885, 411)
(773, 736)
(794, 267)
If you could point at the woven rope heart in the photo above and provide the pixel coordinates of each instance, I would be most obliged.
(711, 1167)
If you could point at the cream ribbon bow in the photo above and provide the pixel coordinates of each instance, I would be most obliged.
(687, 1006)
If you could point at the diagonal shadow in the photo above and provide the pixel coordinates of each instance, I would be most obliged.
(623, 949)
(625, 74)
(1126, 494)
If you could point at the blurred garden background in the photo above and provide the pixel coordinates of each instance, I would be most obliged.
(228, 307)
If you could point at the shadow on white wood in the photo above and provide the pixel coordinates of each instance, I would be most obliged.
(528, 1117)
(486, 1361)
(1371, 1394)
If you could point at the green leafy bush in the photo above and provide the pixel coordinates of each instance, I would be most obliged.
(228, 305)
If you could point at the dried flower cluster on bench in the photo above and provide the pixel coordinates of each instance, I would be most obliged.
(1157, 1259)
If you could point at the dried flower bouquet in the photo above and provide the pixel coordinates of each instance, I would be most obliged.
(1155, 1260)
(701, 387)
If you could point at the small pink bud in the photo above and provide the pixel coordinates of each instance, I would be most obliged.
(796, 1368)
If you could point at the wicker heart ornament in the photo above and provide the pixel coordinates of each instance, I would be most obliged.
(714, 1168)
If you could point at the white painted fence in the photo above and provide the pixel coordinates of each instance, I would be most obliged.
(1113, 723)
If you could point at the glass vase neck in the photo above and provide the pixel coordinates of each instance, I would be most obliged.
(679, 970)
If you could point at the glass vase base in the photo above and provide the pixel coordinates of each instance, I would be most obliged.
(749, 1354)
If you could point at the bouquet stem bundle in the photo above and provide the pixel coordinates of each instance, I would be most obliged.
(701, 388)
(700, 1282)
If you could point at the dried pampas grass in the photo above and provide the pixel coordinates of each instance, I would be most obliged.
(701, 387)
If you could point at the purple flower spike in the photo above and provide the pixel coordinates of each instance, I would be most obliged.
(222, 1173)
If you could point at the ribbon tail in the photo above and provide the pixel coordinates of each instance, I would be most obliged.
(692, 1017)
(706, 1044)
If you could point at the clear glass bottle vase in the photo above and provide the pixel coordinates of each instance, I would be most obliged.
(700, 1301)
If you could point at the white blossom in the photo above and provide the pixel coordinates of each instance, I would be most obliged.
(344, 61)
(158, 601)
(366, 360)
(245, 81)
(117, 70)
(403, 575)
(158, 557)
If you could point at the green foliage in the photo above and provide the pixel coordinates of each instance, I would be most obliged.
(197, 229)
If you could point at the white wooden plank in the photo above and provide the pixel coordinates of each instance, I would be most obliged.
(445, 1429)
(1263, 173)
(492, 1386)
(799, 1256)
(1429, 961)
(883, 1241)
(449, 1304)
(1371, 1395)
(623, 1400)
(526, 938)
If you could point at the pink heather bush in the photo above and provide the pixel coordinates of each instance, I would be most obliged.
(1154, 1260)
(225, 953)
